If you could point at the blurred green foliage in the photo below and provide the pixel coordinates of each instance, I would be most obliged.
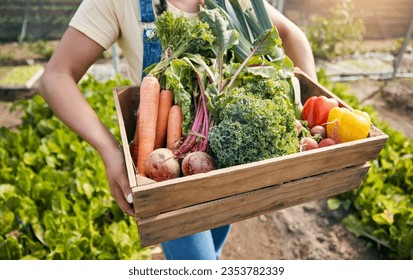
(335, 35)
(55, 202)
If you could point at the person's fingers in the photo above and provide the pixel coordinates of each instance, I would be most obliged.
(123, 182)
(120, 198)
(118, 180)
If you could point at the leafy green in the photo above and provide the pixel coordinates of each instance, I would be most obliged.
(233, 17)
(181, 34)
(252, 23)
(269, 44)
(179, 77)
(55, 202)
(178, 35)
(225, 36)
(236, 12)
(261, 14)
(258, 41)
(205, 85)
(253, 125)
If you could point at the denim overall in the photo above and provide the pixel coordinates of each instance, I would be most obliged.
(151, 48)
(206, 245)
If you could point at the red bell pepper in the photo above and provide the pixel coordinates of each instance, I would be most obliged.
(316, 109)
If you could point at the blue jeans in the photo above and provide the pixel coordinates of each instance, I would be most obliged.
(206, 245)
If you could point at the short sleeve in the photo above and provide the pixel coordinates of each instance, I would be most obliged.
(97, 19)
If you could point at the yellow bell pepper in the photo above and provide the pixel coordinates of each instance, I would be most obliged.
(348, 125)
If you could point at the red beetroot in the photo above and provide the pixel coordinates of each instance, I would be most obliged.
(326, 142)
(308, 143)
(320, 130)
(162, 165)
(197, 162)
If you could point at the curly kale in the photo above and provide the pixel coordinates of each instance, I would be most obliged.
(269, 88)
(256, 122)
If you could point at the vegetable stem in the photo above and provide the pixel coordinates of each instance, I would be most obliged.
(197, 138)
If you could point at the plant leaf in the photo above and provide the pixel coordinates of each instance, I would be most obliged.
(270, 44)
(261, 14)
(333, 204)
(225, 36)
(179, 78)
(236, 12)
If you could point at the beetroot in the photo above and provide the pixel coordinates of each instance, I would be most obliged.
(197, 162)
(326, 142)
(308, 143)
(319, 130)
(162, 165)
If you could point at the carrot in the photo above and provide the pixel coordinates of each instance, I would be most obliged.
(174, 129)
(148, 114)
(165, 104)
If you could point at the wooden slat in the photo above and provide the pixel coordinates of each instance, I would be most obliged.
(128, 98)
(121, 104)
(156, 198)
(213, 214)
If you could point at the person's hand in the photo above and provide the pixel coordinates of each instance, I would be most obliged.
(118, 179)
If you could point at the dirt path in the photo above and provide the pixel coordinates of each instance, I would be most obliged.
(7, 118)
(308, 231)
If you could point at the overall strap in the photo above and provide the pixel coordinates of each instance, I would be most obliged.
(146, 9)
(152, 50)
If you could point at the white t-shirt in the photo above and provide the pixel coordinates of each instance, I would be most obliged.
(110, 21)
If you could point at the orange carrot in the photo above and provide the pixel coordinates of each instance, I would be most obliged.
(165, 104)
(174, 130)
(148, 114)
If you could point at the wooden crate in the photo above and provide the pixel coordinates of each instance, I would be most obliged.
(178, 207)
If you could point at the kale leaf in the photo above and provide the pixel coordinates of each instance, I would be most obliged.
(253, 125)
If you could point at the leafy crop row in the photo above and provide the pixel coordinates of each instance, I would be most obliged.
(381, 209)
(54, 199)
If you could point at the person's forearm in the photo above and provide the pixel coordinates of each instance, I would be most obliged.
(64, 97)
(298, 49)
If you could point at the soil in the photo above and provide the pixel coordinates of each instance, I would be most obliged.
(307, 231)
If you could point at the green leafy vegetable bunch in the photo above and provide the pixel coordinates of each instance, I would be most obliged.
(229, 75)
(255, 123)
(179, 35)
